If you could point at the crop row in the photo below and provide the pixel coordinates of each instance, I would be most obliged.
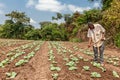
(16, 53)
(71, 60)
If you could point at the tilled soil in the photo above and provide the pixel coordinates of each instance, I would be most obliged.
(106, 75)
(38, 68)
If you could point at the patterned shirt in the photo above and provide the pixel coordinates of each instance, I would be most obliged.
(96, 34)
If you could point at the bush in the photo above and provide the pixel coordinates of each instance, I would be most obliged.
(76, 40)
(117, 40)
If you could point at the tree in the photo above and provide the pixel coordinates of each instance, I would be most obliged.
(59, 16)
(45, 23)
(111, 19)
(105, 3)
(33, 34)
(7, 30)
(93, 15)
(53, 32)
(15, 26)
(16, 16)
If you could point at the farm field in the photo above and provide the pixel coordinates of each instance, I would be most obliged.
(55, 60)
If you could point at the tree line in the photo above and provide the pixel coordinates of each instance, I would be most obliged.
(73, 29)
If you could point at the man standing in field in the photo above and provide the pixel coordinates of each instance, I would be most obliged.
(96, 39)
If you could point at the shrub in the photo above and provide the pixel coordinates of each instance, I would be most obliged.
(117, 40)
(76, 40)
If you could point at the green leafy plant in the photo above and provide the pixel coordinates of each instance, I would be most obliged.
(30, 55)
(51, 58)
(4, 62)
(72, 68)
(88, 52)
(53, 68)
(21, 62)
(80, 57)
(95, 75)
(55, 76)
(115, 74)
(103, 69)
(71, 63)
(86, 68)
(115, 63)
(96, 64)
(74, 59)
(116, 59)
(11, 74)
(117, 40)
(85, 60)
(10, 54)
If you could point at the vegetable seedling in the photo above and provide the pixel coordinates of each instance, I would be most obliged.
(11, 74)
(86, 68)
(55, 76)
(115, 74)
(95, 75)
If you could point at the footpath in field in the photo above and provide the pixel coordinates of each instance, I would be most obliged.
(38, 67)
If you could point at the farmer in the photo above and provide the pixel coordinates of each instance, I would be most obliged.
(96, 39)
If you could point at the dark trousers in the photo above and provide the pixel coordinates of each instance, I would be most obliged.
(101, 50)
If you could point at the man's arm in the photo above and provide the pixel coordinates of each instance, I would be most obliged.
(90, 38)
(89, 42)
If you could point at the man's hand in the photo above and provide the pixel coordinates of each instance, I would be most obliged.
(89, 45)
(103, 39)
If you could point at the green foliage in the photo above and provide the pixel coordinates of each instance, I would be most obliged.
(105, 3)
(11, 74)
(21, 62)
(55, 76)
(111, 20)
(115, 74)
(4, 62)
(86, 68)
(71, 63)
(92, 15)
(59, 16)
(95, 75)
(117, 40)
(53, 68)
(96, 64)
(68, 18)
(53, 32)
(76, 40)
(16, 26)
(72, 68)
(17, 16)
(33, 34)
(73, 29)
(30, 55)
(74, 59)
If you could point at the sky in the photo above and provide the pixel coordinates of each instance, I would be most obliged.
(43, 10)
